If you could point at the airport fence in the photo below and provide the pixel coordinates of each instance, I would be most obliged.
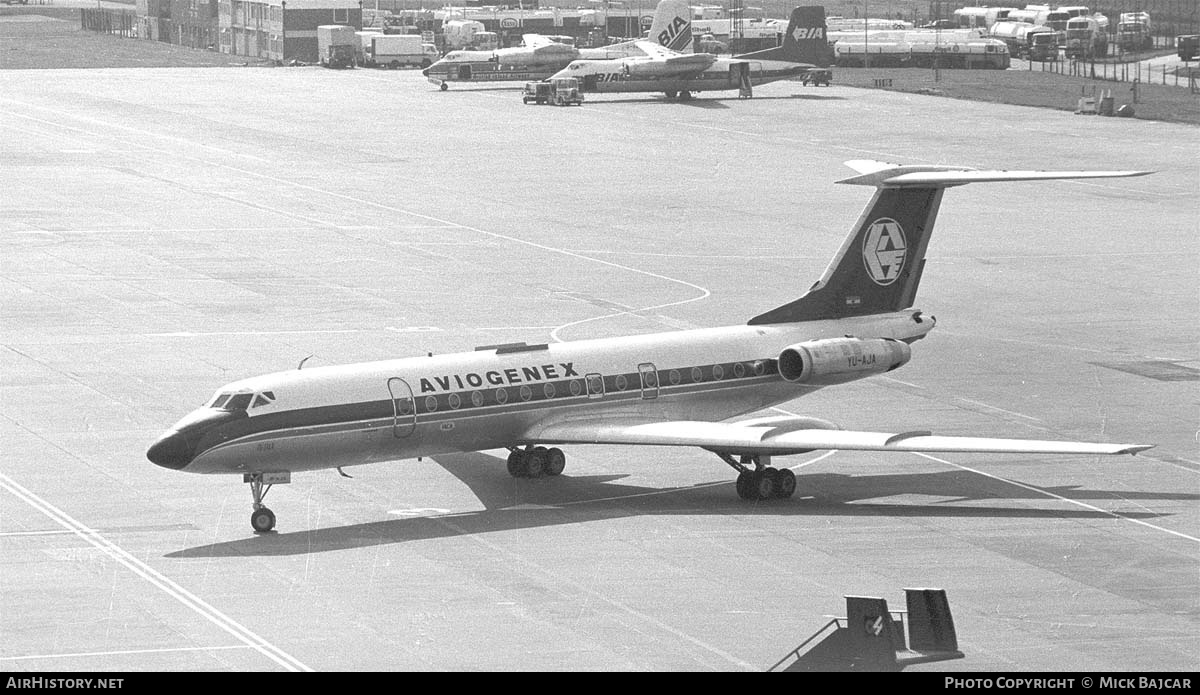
(1175, 75)
(119, 22)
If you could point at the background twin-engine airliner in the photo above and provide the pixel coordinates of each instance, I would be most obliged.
(677, 75)
(665, 389)
(537, 58)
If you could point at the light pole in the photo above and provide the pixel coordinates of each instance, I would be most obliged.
(866, 38)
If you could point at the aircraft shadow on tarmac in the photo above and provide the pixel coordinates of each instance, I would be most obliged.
(512, 504)
(702, 102)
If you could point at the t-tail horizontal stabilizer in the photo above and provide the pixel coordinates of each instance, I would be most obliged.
(879, 266)
(872, 638)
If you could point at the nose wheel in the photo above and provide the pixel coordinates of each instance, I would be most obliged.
(262, 520)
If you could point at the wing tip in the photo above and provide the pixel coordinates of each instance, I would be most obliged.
(1134, 449)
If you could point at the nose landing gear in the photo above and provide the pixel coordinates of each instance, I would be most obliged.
(262, 520)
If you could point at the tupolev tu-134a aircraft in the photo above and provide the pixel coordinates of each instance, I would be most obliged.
(666, 389)
(538, 57)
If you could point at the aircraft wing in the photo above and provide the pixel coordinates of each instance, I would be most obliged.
(783, 436)
(534, 40)
(671, 64)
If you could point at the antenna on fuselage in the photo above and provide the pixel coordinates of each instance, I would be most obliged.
(301, 365)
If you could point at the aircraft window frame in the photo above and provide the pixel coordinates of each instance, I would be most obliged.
(220, 400)
(718, 372)
(238, 401)
(431, 404)
(476, 399)
(674, 377)
(526, 394)
(697, 375)
(595, 385)
(549, 389)
(739, 370)
(760, 368)
(455, 401)
(621, 382)
(502, 395)
(404, 406)
(576, 387)
(650, 379)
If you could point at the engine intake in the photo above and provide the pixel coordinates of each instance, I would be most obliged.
(835, 360)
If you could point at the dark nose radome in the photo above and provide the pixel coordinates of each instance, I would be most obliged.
(172, 451)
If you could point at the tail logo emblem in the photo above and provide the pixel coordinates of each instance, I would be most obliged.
(884, 250)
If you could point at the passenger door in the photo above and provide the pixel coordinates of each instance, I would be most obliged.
(404, 408)
(649, 379)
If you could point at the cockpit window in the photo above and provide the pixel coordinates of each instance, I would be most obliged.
(264, 398)
(239, 401)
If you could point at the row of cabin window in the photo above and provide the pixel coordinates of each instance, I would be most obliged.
(595, 386)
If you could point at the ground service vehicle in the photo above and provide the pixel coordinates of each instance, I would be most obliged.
(364, 45)
(1133, 31)
(971, 54)
(1187, 46)
(817, 77)
(1043, 45)
(560, 91)
(1085, 38)
(398, 50)
(337, 45)
(1020, 38)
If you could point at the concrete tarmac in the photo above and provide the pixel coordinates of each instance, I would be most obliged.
(166, 231)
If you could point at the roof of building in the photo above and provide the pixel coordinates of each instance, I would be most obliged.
(313, 4)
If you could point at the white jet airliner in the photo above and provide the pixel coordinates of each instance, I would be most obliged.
(666, 389)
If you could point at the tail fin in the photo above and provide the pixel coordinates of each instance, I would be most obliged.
(879, 266)
(672, 26)
(804, 42)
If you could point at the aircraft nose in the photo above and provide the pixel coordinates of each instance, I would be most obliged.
(172, 450)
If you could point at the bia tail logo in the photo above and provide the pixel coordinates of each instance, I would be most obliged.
(677, 35)
(884, 249)
(804, 33)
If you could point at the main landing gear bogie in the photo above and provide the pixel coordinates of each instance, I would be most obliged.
(761, 482)
(536, 462)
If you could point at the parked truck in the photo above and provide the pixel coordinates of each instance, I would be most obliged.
(1187, 46)
(1086, 40)
(1024, 40)
(1133, 31)
(460, 33)
(364, 45)
(337, 45)
(399, 50)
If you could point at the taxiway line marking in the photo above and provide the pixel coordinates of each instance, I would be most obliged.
(992, 407)
(1068, 500)
(185, 334)
(629, 610)
(704, 293)
(75, 655)
(175, 591)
